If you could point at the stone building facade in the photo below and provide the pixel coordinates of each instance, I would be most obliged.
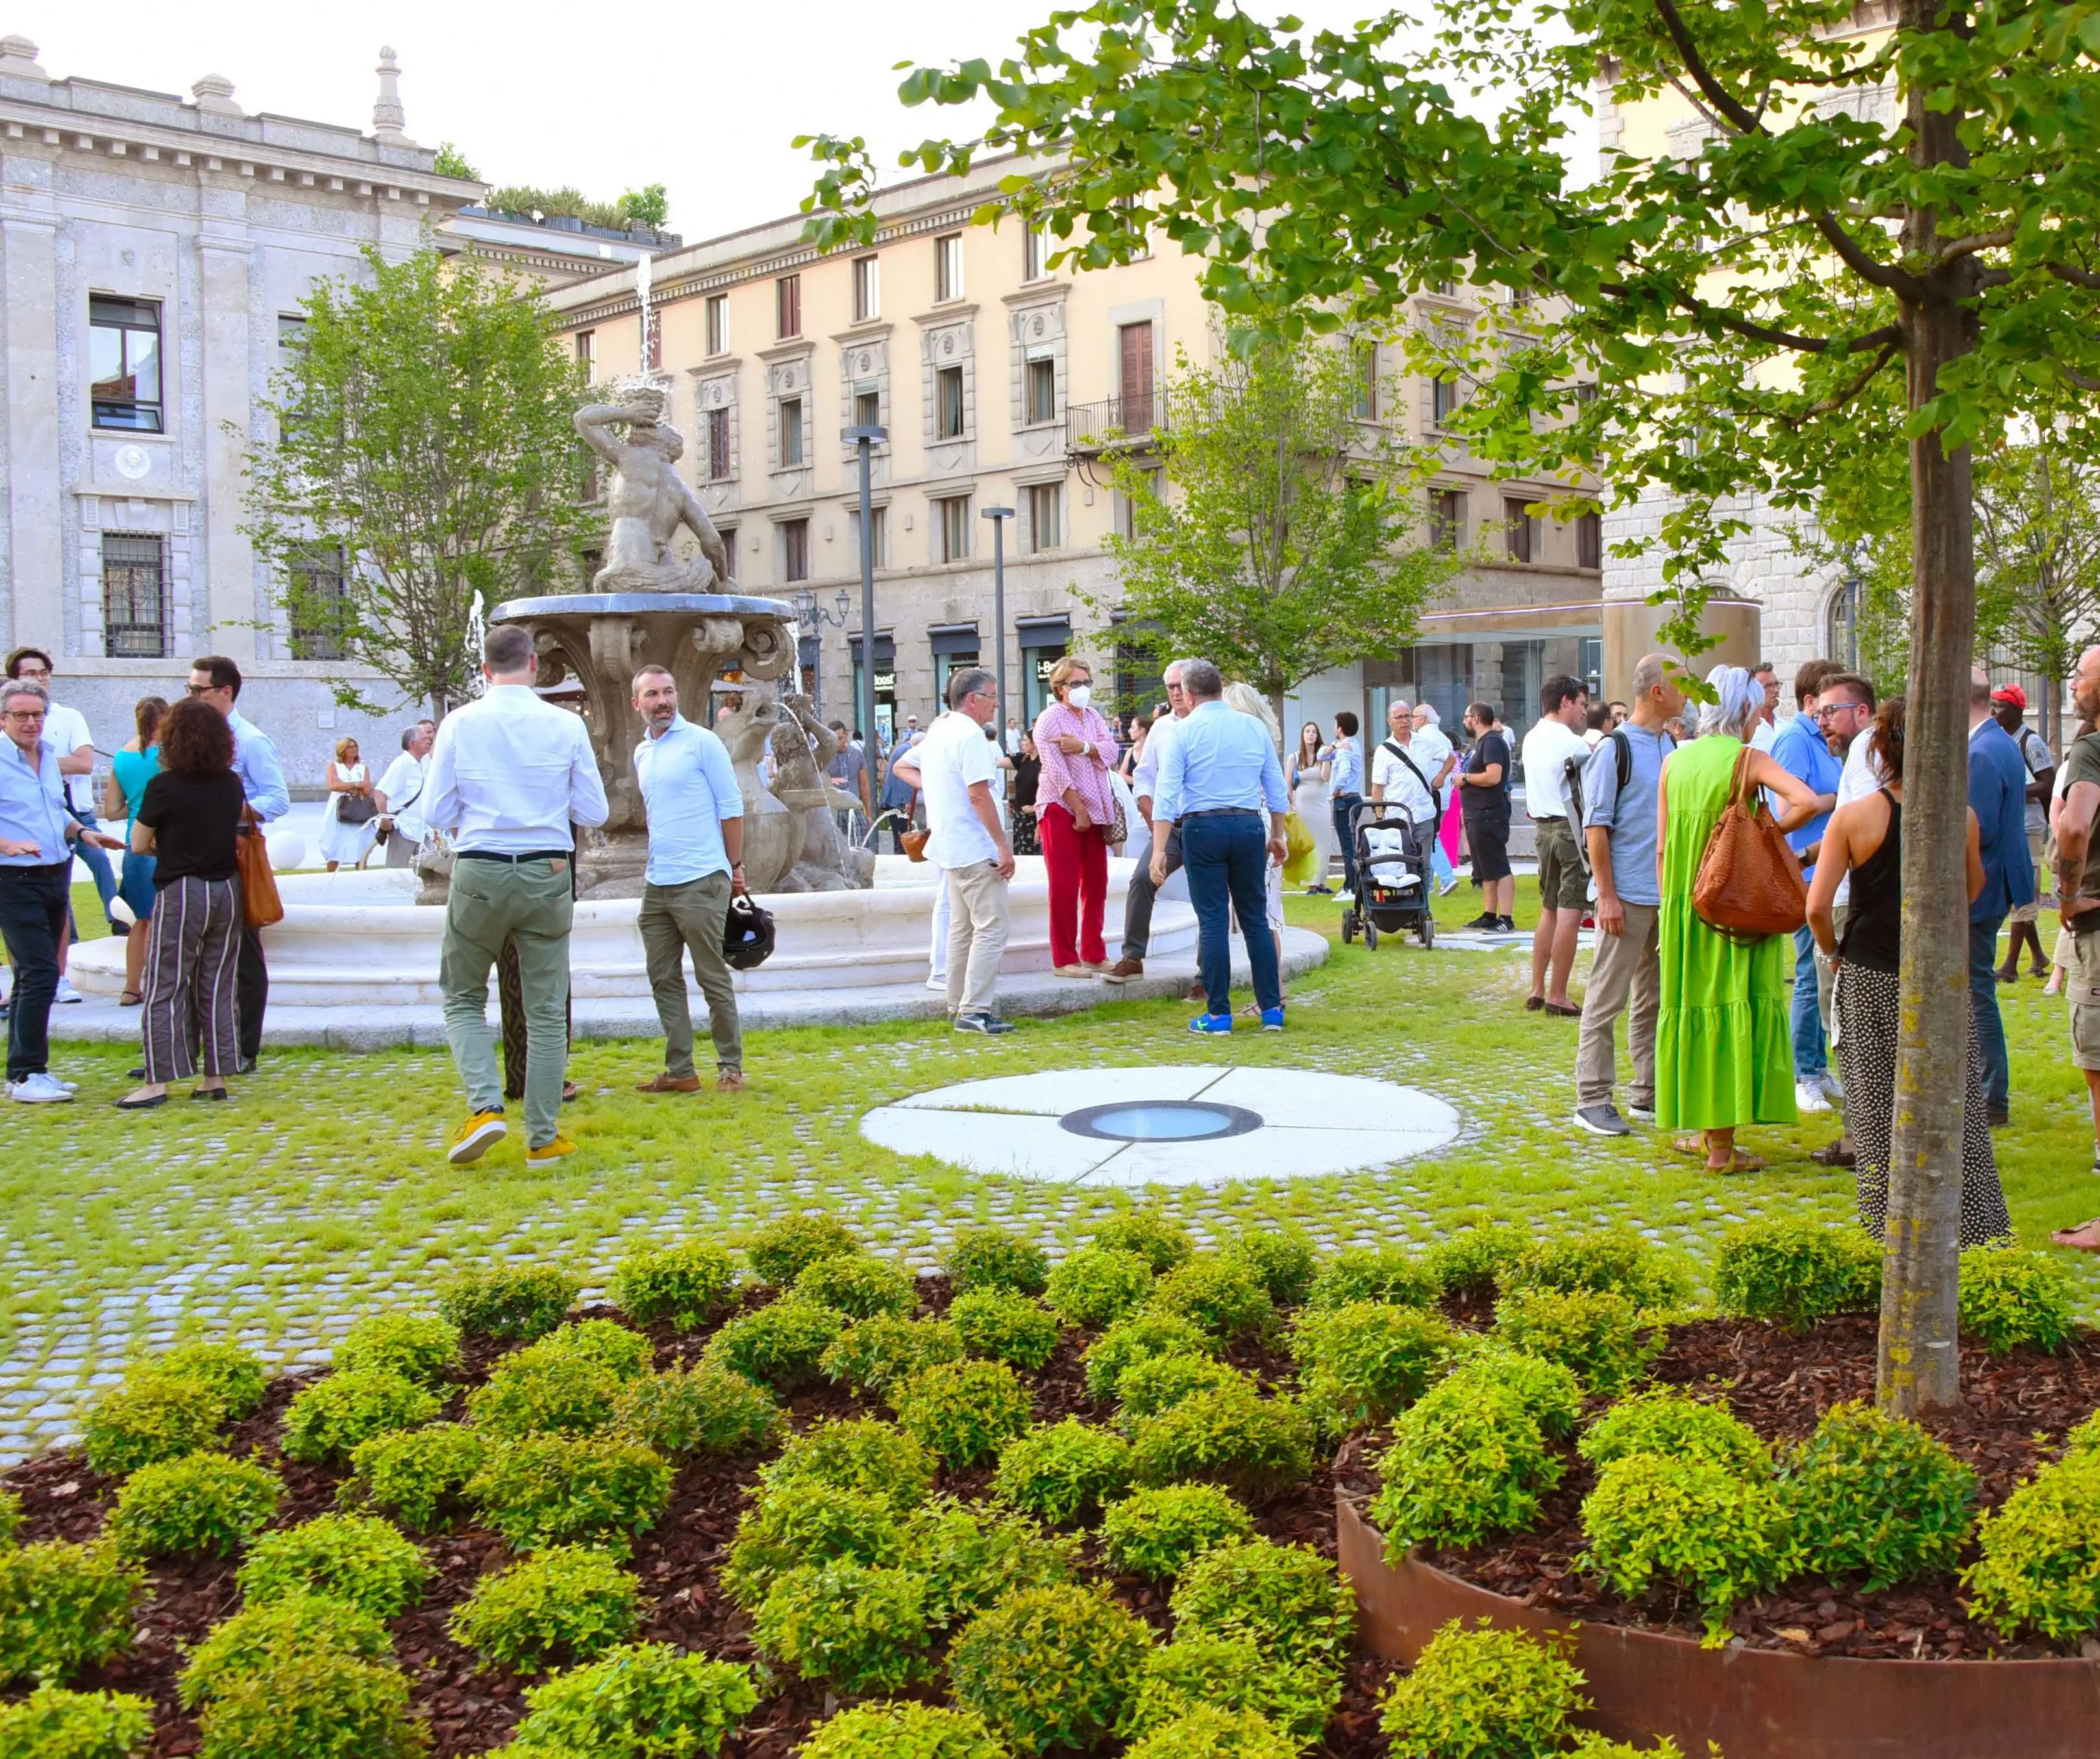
(153, 252)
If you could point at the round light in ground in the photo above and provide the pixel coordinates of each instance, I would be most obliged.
(1161, 1121)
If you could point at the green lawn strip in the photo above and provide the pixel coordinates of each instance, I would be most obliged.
(325, 1187)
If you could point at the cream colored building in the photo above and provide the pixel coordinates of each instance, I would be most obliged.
(993, 375)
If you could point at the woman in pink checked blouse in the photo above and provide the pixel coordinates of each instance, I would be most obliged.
(1076, 808)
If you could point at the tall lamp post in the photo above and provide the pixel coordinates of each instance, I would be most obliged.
(998, 516)
(865, 439)
(812, 615)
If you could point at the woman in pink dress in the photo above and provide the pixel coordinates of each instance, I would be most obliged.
(1075, 809)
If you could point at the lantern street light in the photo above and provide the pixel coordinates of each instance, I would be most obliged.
(998, 516)
(811, 616)
(865, 439)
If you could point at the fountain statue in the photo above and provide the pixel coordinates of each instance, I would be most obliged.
(648, 500)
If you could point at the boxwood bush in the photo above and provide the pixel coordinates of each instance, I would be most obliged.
(972, 1555)
(1615, 1260)
(150, 1416)
(1872, 1495)
(902, 1731)
(1363, 1364)
(1287, 1600)
(568, 1603)
(1050, 1667)
(257, 1636)
(1468, 1460)
(1232, 1437)
(63, 1607)
(686, 1286)
(781, 1251)
(702, 1410)
(509, 1303)
(203, 1502)
(11, 1518)
(418, 1347)
(357, 1558)
(2010, 1296)
(1497, 1694)
(1549, 1392)
(861, 1629)
(781, 1345)
(325, 1423)
(1794, 1270)
(237, 1376)
(1207, 1733)
(1234, 1673)
(1655, 1520)
(991, 1257)
(1161, 1383)
(1097, 1285)
(419, 1476)
(308, 1706)
(543, 1490)
(1474, 1261)
(860, 1287)
(1283, 1257)
(1597, 1334)
(1160, 1240)
(604, 1342)
(53, 1723)
(639, 1701)
(1064, 1472)
(877, 1354)
(1374, 1273)
(556, 1395)
(1225, 1296)
(2038, 1562)
(1139, 1338)
(856, 1454)
(1003, 1326)
(962, 1412)
(1667, 1420)
(808, 1522)
(1158, 1533)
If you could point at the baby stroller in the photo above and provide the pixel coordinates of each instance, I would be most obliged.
(1392, 876)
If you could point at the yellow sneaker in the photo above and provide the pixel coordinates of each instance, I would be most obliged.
(547, 1153)
(476, 1137)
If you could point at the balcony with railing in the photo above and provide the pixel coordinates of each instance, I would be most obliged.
(1116, 424)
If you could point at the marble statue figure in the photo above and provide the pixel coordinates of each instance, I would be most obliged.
(649, 501)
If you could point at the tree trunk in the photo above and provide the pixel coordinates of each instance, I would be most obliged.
(1918, 1366)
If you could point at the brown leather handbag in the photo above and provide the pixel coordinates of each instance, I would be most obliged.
(1749, 886)
(260, 904)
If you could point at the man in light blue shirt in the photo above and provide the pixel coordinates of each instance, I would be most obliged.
(1217, 777)
(1137, 902)
(695, 810)
(1345, 790)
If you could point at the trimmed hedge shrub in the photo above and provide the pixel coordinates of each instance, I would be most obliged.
(781, 1251)
(1162, 1243)
(640, 1701)
(2038, 1562)
(972, 1555)
(962, 1412)
(1374, 1273)
(1794, 1271)
(1671, 1423)
(1875, 1496)
(2010, 1296)
(247, 1644)
(147, 1416)
(1482, 1694)
(545, 1489)
(64, 1607)
(417, 1475)
(808, 1522)
(1064, 1472)
(856, 1454)
(1361, 1365)
(1097, 1285)
(560, 1396)
(309, 1706)
(1225, 1296)
(203, 1502)
(702, 1410)
(1597, 1334)
(53, 1723)
(991, 1257)
(604, 1342)
(324, 1425)
(860, 1287)
(11, 1518)
(1688, 1522)
(902, 1731)
(1137, 1339)
(1002, 1326)
(509, 1303)
(419, 1346)
(1287, 1600)
(1549, 1392)
(1234, 1673)
(1468, 1460)
(1231, 1437)
(1474, 1262)
(1212, 1733)
(1161, 1383)
(238, 1378)
(1612, 1260)
(567, 1602)
(1158, 1533)
(1283, 1257)
(687, 1285)
(357, 1558)
(876, 1354)
(860, 1629)
(781, 1345)
(1050, 1667)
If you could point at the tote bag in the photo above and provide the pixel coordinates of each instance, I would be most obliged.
(260, 904)
(1749, 885)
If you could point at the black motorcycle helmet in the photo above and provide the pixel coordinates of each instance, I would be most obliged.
(746, 933)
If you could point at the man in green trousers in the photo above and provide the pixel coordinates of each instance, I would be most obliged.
(508, 775)
(695, 867)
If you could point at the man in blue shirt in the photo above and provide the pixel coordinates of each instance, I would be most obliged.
(1217, 777)
(1345, 790)
(1799, 748)
(1997, 795)
(695, 809)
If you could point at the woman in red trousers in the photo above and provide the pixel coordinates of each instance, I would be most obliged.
(1076, 810)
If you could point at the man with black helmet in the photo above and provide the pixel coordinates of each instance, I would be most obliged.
(695, 812)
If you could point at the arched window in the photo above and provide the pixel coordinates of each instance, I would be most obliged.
(1841, 623)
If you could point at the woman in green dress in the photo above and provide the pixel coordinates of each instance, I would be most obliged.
(1724, 1042)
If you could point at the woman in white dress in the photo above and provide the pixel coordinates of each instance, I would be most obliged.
(348, 782)
(1309, 767)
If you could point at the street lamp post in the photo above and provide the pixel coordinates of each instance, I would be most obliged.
(811, 616)
(865, 439)
(998, 516)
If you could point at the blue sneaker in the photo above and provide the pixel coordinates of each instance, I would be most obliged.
(1208, 1023)
(1272, 1020)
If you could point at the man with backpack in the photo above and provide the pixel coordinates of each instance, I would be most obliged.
(2009, 708)
(1621, 786)
(1563, 881)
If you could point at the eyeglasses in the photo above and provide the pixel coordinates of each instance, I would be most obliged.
(1826, 709)
(25, 714)
(202, 689)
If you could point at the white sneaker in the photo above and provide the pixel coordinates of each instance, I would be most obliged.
(1833, 1089)
(939, 984)
(38, 1089)
(67, 993)
(1808, 1096)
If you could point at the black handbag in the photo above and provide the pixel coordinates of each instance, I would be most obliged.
(355, 809)
(746, 933)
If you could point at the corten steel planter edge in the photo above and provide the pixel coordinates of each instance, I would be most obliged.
(1753, 1704)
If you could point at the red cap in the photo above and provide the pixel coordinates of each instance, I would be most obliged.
(2010, 693)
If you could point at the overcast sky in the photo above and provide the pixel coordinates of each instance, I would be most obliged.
(697, 94)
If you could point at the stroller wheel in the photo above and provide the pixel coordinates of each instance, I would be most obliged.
(1370, 934)
(1348, 927)
(1428, 930)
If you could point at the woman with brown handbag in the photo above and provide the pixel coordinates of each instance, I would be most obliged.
(1723, 1052)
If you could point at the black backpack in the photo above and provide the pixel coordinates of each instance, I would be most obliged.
(1623, 755)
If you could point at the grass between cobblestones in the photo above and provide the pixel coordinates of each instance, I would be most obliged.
(324, 1188)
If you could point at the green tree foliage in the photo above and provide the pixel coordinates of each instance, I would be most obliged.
(452, 162)
(417, 445)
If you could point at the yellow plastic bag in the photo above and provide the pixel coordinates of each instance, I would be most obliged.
(1301, 866)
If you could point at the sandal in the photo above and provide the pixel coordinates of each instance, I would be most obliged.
(2084, 1238)
(1739, 1162)
(1833, 1154)
(129, 999)
(1694, 1144)
(1559, 1011)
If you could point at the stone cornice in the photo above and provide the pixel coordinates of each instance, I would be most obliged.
(953, 312)
(795, 348)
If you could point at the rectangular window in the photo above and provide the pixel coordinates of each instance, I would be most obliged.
(948, 268)
(718, 324)
(1127, 506)
(134, 597)
(1034, 253)
(1589, 540)
(315, 607)
(718, 464)
(1443, 400)
(587, 346)
(795, 549)
(1367, 382)
(727, 533)
(948, 423)
(868, 289)
(124, 363)
(1045, 511)
(1042, 400)
(1134, 364)
(787, 305)
(952, 527)
(791, 432)
(291, 338)
(867, 409)
(1520, 530)
(879, 521)
(1447, 518)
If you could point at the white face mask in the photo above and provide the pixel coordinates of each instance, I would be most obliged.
(1080, 695)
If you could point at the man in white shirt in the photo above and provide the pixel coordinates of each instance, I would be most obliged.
(1563, 881)
(966, 839)
(695, 811)
(66, 730)
(1398, 774)
(1432, 749)
(1766, 730)
(508, 776)
(1137, 902)
(400, 797)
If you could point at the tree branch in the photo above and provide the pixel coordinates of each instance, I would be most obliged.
(1958, 248)
(1832, 405)
(2077, 277)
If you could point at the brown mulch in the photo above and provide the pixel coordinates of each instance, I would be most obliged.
(2018, 1409)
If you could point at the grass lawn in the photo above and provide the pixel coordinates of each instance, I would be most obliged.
(276, 1218)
